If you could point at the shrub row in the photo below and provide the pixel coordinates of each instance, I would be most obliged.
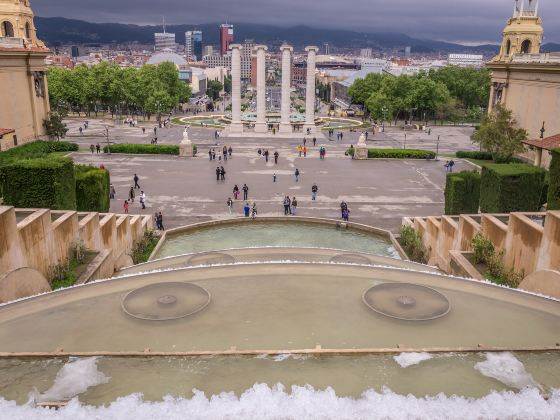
(474, 155)
(37, 149)
(92, 189)
(554, 182)
(39, 183)
(145, 149)
(400, 154)
(511, 187)
(462, 193)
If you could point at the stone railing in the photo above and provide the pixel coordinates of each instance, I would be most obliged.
(9, 42)
(530, 241)
(41, 238)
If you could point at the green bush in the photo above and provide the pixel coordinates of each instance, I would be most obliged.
(144, 248)
(411, 242)
(483, 248)
(474, 155)
(40, 183)
(92, 189)
(511, 187)
(400, 154)
(462, 193)
(37, 149)
(544, 193)
(554, 183)
(350, 151)
(143, 149)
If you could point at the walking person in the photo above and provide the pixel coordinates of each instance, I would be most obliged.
(299, 149)
(210, 154)
(213, 154)
(294, 206)
(346, 215)
(224, 152)
(222, 173)
(98, 148)
(304, 141)
(304, 151)
(266, 155)
(276, 155)
(143, 200)
(314, 141)
(229, 204)
(246, 210)
(296, 173)
(451, 165)
(112, 192)
(274, 177)
(131, 195)
(125, 206)
(160, 217)
(156, 220)
(136, 179)
(218, 172)
(314, 190)
(287, 206)
(236, 192)
(230, 151)
(92, 148)
(80, 130)
(245, 192)
(254, 210)
(343, 206)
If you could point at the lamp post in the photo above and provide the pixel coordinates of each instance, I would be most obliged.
(107, 140)
(542, 130)
(405, 141)
(384, 109)
(437, 148)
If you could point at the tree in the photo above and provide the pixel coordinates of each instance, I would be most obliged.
(227, 84)
(499, 135)
(213, 89)
(54, 126)
(362, 89)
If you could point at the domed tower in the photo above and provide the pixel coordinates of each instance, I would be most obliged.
(16, 21)
(523, 33)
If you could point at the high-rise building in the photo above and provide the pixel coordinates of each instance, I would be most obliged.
(75, 51)
(207, 50)
(327, 49)
(366, 52)
(407, 52)
(226, 37)
(193, 45)
(164, 40)
(246, 59)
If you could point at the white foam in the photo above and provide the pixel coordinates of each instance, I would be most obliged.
(281, 357)
(73, 379)
(303, 403)
(507, 369)
(409, 359)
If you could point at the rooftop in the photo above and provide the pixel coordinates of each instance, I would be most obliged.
(4, 131)
(548, 143)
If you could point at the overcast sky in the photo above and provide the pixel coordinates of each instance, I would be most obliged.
(466, 21)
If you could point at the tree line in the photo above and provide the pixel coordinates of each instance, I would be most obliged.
(451, 93)
(149, 90)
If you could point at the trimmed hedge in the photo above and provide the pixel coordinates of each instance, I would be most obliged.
(474, 155)
(462, 193)
(92, 189)
(37, 149)
(395, 153)
(145, 149)
(400, 154)
(554, 182)
(40, 183)
(511, 187)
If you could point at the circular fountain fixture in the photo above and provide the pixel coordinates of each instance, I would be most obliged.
(211, 258)
(405, 301)
(350, 259)
(165, 301)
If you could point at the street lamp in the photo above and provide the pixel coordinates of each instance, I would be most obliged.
(542, 130)
(384, 109)
(107, 139)
(437, 148)
(405, 141)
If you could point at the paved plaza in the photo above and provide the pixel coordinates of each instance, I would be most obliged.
(378, 192)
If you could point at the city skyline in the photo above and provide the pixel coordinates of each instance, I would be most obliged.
(469, 23)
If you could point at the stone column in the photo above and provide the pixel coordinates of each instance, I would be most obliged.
(285, 125)
(310, 90)
(261, 125)
(236, 124)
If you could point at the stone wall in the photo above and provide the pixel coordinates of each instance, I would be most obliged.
(530, 241)
(41, 238)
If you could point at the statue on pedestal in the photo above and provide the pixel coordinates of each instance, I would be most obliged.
(186, 148)
(361, 152)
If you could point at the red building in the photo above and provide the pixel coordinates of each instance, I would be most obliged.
(226, 37)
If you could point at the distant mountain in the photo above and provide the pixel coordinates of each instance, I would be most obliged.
(61, 31)
(550, 47)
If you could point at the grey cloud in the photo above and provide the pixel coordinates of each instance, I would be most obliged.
(452, 20)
